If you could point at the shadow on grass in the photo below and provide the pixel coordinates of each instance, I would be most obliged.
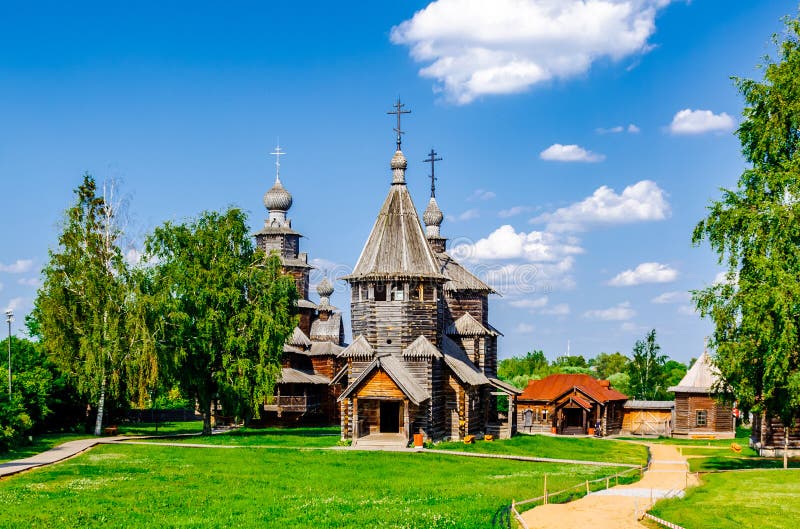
(326, 431)
(710, 464)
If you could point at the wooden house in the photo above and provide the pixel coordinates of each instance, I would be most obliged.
(697, 411)
(768, 437)
(304, 391)
(648, 417)
(570, 405)
(423, 358)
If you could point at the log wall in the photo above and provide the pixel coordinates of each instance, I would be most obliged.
(719, 416)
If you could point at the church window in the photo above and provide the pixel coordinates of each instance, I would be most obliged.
(380, 292)
(397, 292)
(701, 417)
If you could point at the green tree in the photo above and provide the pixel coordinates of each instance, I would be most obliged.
(80, 308)
(606, 364)
(225, 310)
(754, 230)
(532, 364)
(674, 372)
(646, 369)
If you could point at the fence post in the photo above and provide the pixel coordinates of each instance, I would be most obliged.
(587, 486)
(545, 488)
(608, 483)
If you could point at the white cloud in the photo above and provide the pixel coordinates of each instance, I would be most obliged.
(525, 328)
(620, 312)
(562, 309)
(676, 296)
(687, 310)
(529, 303)
(474, 48)
(722, 279)
(643, 201)
(14, 304)
(20, 266)
(630, 129)
(469, 214)
(569, 153)
(631, 327)
(507, 243)
(689, 121)
(644, 273)
(482, 194)
(30, 281)
(513, 211)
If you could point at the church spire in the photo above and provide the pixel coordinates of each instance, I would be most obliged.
(278, 200)
(432, 216)
(399, 162)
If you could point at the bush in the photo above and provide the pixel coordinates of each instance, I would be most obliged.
(15, 422)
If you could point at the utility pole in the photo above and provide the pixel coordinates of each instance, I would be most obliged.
(9, 319)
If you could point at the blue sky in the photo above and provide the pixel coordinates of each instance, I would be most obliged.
(523, 99)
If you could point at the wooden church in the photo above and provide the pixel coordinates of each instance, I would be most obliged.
(423, 359)
(304, 391)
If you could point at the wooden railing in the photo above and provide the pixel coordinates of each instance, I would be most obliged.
(295, 402)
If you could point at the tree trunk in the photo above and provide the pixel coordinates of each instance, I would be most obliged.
(101, 404)
(206, 407)
(785, 446)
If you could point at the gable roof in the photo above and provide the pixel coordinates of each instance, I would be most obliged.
(459, 277)
(399, 375)
(359, 349)
(397, 247)
(504, 386)
(421, 348)
(554, 386)
(700, 378)
(325, 349)
(462, 367)
(289, 375)
(299, 339)
(467, 325)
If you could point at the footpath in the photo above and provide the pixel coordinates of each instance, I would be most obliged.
(54, 455)
(619, 507)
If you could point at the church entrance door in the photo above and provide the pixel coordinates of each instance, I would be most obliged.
(390, 416)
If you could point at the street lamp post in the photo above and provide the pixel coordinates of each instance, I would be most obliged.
(9, 319)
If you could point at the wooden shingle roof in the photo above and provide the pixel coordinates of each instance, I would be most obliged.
(399, 375)
(460, 364)
(299, 339)
(359, 349)
(295, 376)
(467, 325)
(421, 348)
(397, 247)
(702, 377)
(459, 277)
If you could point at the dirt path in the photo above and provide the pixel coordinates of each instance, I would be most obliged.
(616, 508)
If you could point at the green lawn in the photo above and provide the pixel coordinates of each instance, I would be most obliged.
(45, 442)
(40, 444)
(584, 449)
(742, 439)
(135, 486)
(285, 437)
(746, 451)
(729, 462)
(738, 500)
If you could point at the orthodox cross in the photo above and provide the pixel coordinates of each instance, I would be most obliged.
(398, 110)
(432, 158)
(278, 153)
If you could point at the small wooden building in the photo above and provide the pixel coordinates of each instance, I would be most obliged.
(698, 413)
(570, 405)
(648, 417)
(768, 437)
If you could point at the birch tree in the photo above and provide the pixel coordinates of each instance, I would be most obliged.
(81, 305)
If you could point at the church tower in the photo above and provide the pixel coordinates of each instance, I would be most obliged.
(408, 372)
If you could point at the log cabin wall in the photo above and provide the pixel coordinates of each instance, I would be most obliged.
(613, 418)
(456, 304)
(541, 416)
(771, 433)
(718, 416)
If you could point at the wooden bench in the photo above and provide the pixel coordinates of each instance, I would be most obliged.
(704, 436)
(111, 430)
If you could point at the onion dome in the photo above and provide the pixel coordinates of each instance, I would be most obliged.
(325, 288)
(399, 165)
(433, 216)
(278, 198)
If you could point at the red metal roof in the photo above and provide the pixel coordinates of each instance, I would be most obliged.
(554, 386)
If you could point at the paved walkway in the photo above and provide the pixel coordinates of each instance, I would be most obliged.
(617, 507)
(54, 455)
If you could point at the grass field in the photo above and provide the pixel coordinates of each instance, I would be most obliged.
(584, 449)
(742, 438)
(738, 500)
(135, 486)
(44, 442)
(287, 437)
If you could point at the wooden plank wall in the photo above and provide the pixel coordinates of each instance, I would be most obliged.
(719, 417)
